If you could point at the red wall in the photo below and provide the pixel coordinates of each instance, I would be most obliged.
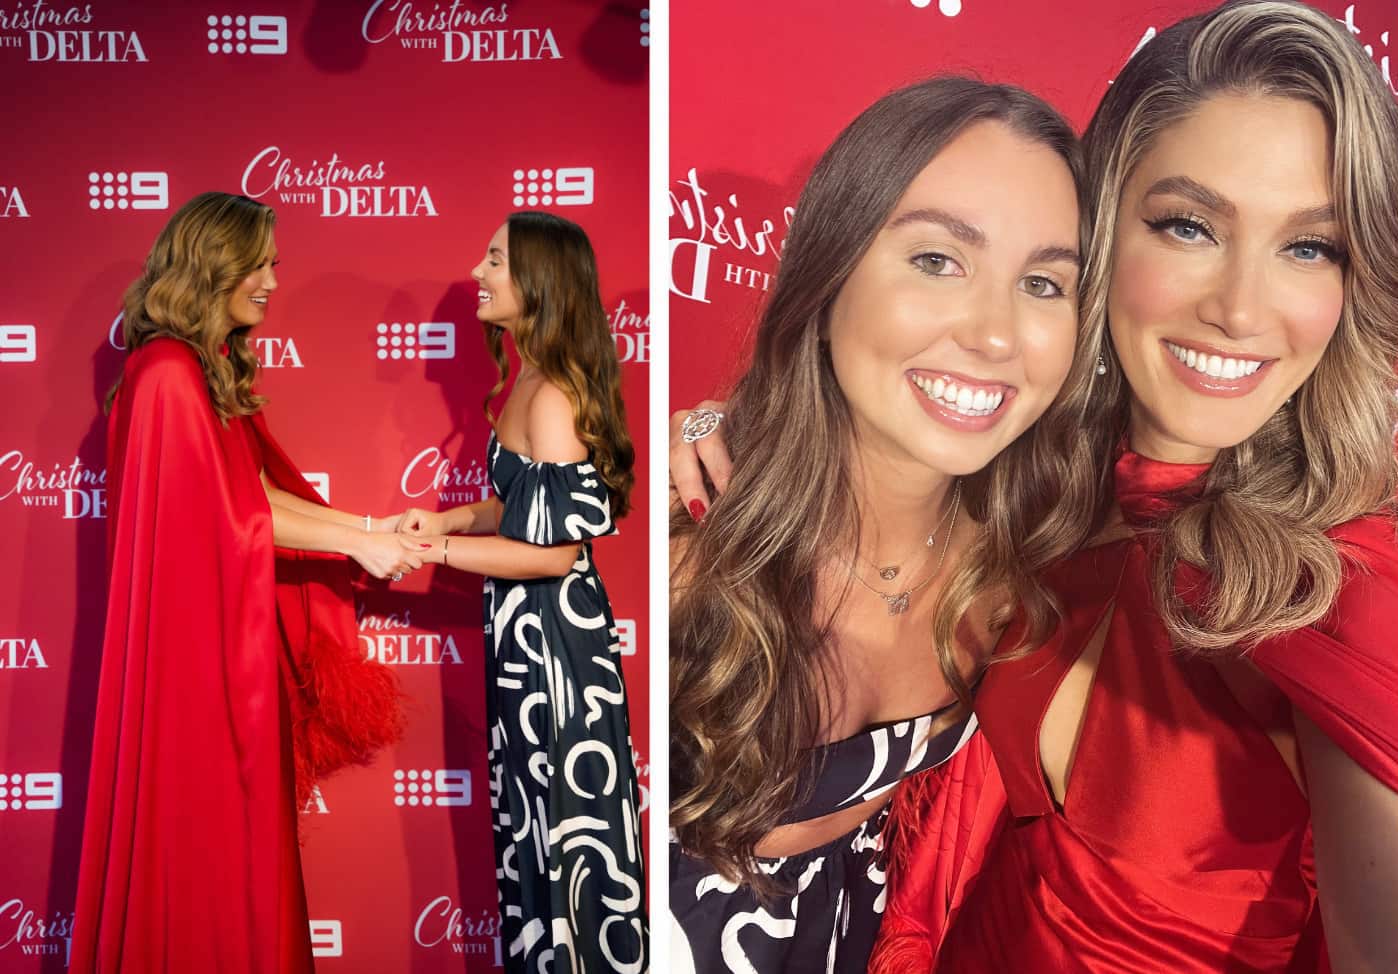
(758, 90)
(426, 125)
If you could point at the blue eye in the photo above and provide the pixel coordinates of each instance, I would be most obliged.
(1313, 251)
(1186, 229)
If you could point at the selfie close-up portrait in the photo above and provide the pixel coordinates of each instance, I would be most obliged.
(1033, 553)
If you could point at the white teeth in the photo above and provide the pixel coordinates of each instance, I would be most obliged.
(962, 399)
(1214, 366)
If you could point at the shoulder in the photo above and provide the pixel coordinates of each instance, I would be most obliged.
(165, 362)
(553, 436)
(1367, 544)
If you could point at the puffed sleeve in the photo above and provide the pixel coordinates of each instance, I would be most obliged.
(1342, 672)
(555, 503)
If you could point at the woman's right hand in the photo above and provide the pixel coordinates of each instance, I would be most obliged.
(419, 523)
(690, 461)
(383, 555)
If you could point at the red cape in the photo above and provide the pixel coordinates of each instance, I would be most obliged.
(190, 857)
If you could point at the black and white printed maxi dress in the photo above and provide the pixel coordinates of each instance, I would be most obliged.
(827, 919)
(563, 792)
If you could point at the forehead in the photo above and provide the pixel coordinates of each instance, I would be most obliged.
(1006, 184)
(501, 239)
(1249, 148)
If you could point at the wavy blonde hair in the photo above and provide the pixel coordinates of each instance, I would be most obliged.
(747, 667)
(206, 250)
(1259, 526)
(565, 334)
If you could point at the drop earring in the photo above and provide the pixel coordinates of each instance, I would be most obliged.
(1101, 365)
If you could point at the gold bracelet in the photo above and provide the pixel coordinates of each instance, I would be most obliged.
(446, 540)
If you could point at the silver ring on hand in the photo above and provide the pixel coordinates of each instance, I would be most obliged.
(700, 423)
(397, 576)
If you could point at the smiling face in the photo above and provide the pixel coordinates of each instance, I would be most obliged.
(247, 304)
(956, 328)
(1227, 279)
(500, 300)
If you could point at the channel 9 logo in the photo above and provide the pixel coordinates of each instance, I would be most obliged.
(405, 339)
(242, 34)
(18, 343)
(439, 786)
(134, 190)
(31, 792)
(572, 186)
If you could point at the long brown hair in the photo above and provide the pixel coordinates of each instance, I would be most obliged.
(746, 649)
(1258, 527)
(206, 250)
(565, 334)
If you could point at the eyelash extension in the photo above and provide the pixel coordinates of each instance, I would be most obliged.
(1332, 250)
(1160, 224)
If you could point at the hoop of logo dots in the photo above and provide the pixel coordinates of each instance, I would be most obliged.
(539, 187)
(397, 340)
(108, 191)
(234, 29)
(17, 780)
(418, 787)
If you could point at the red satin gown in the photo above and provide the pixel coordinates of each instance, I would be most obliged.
(219, 653)
(1183, 844)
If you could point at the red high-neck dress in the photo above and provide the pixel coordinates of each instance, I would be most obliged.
(1183, 844)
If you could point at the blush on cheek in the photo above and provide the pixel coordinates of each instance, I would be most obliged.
(1313, 321)
(1144, 290)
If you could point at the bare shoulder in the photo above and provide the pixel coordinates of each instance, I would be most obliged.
(552, 430)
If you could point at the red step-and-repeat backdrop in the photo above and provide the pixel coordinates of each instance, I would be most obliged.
(393, 138)
(758, 90)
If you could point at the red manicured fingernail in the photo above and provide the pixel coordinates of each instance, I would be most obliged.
(697, 509)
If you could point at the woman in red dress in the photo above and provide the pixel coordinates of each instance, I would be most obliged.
(1198, 770)
(230, 677)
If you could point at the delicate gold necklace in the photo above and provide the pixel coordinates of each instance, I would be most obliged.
(898, 602)
(890, 571)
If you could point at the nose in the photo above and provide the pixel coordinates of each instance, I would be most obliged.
(269, 279)
(478, 273)
(1236, 302)
(987, 327)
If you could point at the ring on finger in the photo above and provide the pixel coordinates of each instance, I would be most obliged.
(397, 576)
(699, 423)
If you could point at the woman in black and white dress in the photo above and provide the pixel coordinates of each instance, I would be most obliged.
(563, 787)
(923, 317)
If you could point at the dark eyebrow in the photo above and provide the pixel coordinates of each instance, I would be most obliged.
(496, 250)
(959, 228)
(1201, 194)
(975, 237)
(1047, 255)
(1192, 190)
(1324, 213)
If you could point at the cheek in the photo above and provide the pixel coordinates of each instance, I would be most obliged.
(1312, 314)
(1048, 344)
(1144, 291)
